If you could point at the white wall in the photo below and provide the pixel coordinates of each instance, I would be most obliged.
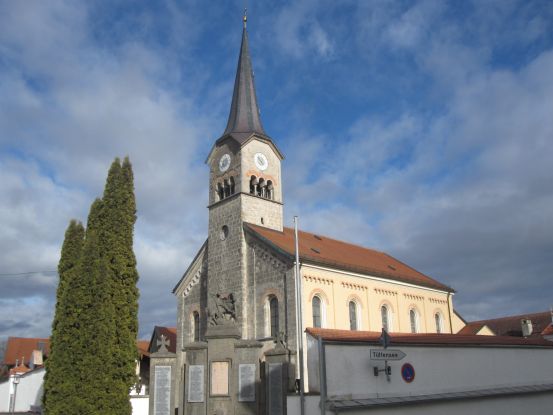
(29, 392)
(438, 369)
(504, 405)
(140, 404)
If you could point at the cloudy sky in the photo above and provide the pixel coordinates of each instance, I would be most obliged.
(424, 129)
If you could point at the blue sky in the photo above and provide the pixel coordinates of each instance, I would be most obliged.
(420, 128)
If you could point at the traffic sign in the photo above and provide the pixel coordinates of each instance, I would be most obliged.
(408, 372)
(387, 354)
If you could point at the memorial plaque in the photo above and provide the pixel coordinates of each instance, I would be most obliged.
(219, 378)
(274, 386)
(196, 383)
(162, 390)
(246, 382)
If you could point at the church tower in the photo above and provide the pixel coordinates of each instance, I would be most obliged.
(245, 186)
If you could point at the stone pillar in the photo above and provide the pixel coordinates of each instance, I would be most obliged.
(247, 377)
(195, 387)
(221, 384)
(276, 379)
(163, 372)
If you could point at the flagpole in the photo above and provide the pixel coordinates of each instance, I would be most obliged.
(299, 318)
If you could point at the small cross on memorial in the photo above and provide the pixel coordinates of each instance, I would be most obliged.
(163, 343)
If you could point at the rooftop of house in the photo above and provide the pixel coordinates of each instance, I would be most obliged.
(427, 339)
(21, 348)
(473, 328)
(322, 250)
(170, 334)
(143, 346)
(511, 325)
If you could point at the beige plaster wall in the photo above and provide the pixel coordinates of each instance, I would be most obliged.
(485, 331)
(337, 289)
(456, 322)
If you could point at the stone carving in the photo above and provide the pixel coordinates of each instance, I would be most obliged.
(224, 310)
(195, 279)
(162, 343)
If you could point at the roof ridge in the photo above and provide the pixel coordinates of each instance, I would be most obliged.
(344, 255)
(510, 317)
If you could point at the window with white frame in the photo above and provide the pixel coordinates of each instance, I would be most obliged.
(414, 320)
(316, 305)
(439, 322)
(386, 317)
(353, 317)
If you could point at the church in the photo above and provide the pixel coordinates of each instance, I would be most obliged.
(237, 332)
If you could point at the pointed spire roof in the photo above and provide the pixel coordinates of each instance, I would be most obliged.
(244, 111)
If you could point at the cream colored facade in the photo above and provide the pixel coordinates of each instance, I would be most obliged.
(337, 288)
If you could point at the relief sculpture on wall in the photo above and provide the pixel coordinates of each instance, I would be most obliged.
(222, 309)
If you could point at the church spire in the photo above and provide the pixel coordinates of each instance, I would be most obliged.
(244, 112)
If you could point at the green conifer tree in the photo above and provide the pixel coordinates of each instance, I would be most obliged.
(103, 303)
(58, 382)
(120, 216)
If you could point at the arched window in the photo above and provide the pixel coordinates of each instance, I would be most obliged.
(438, 320)
(196, 326)
(232, 186)
(261, 187)
(353, 316)
(253, 185)
(227, 188)
(270, 193)
(384, 312)
(413, 320)
(273, 312)
(317, 315)
(220, 191)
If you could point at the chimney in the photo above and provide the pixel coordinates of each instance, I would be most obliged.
(526, 325)
(37, 358)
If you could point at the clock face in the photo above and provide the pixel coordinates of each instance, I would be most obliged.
(224, 163)
(260, 161)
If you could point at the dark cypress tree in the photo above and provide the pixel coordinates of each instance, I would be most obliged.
(59, 384)
(104, 301)
(120, 216)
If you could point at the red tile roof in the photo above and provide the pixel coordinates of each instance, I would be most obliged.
(21, 369)
(510, 325)
(472, 328)
(142, 346)
(170, 334)
(330, 252)
(428, 339)
(548, 331)
(22, 347)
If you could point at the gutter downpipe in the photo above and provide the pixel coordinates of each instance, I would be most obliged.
(322, 375)
(299, 319)
(449, 309)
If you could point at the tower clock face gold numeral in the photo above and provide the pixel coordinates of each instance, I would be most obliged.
(224, 162)
(261, 161)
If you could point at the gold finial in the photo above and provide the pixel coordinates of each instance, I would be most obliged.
(245, 18)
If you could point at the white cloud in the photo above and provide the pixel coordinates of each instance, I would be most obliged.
(298, 31)
(67, 108)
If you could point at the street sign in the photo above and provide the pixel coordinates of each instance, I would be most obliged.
(408, 372)
(387, 354)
